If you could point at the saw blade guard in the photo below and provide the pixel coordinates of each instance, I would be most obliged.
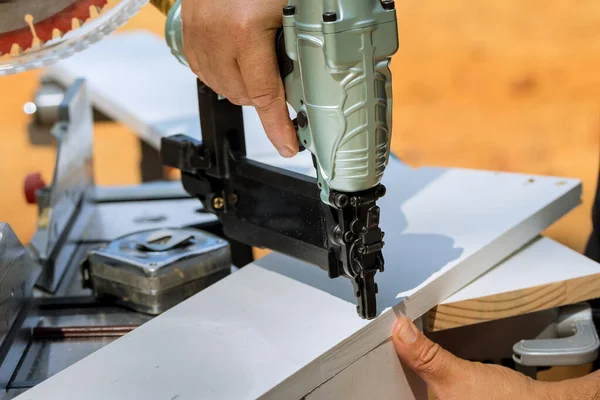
(37, 33)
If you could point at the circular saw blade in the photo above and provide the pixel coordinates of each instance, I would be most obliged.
(13, 12)
(67, 27)
(26, 23)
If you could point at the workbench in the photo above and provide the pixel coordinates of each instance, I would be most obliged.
(249, 319)
(281, 329)
(418, 138)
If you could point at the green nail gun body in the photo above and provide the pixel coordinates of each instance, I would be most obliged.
(341, 85)
(334, 60)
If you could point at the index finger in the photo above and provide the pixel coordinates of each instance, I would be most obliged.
(260, 72)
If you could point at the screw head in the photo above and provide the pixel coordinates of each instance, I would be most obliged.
(329, 16)
(289, 10)
(388, 4)
(348, 236)
(341, 200)
(302, 119)
(218, 203)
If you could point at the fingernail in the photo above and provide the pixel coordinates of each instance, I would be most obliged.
(406, 331)
(287, 151)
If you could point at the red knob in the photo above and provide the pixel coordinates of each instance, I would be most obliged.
(33, 183)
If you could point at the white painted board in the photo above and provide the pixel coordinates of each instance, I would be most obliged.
(264, 334)
(544, 262)
(230, 341)
(435, 219)
(450, 228)
(133, 78)
(377, 375)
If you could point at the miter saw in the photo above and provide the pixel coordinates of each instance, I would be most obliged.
(334, 61)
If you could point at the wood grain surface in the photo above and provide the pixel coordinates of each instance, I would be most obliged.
(488, 308)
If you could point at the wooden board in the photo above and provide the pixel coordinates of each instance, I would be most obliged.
(263, 334)
(153, 102)
(521, 285)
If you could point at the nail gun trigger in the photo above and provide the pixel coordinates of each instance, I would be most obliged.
(286, 65)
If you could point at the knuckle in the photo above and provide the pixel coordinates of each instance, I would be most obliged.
(243, 26)
(428, 356)
(265, 99)
(239, 100)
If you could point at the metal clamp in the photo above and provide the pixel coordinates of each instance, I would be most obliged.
(576, 343)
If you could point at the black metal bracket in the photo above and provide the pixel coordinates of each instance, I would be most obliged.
(264, 206)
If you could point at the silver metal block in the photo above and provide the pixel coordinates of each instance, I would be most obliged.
(18, 273)
(46, 103)
(71, 181)
(152, 271)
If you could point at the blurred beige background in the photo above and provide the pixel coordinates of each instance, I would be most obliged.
(502, 85)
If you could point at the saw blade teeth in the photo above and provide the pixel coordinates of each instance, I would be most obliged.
(15, 50)
(71, 18)
(37, 44)
(56, 33)
(23, 39)
(76, 23)
(95, 11)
